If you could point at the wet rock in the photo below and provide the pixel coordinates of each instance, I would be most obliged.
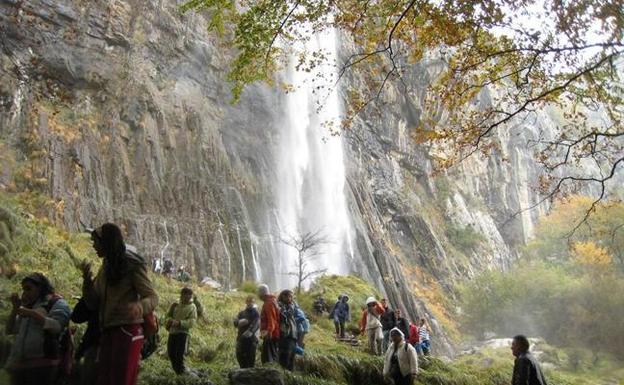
(256, 376)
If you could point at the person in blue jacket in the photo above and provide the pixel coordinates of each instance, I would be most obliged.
(341, 315)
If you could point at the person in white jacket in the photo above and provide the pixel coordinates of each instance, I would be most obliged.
(401, 361)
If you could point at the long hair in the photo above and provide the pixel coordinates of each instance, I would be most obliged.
(114, 249)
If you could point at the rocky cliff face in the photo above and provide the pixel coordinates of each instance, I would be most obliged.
(119, 111)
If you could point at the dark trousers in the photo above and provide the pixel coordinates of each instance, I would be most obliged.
(287, 352)
(34, 376)
(340, 328)
(246, 352)
(400, 380)
(269, 350)
(176, 346)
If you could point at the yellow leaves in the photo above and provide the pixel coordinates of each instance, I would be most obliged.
(590, 254)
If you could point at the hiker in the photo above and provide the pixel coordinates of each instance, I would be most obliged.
(183, 276)
(414, 338)
(401, 361)
(388, 322)
(288, 329)
(319, 305)
(122, 294)
(181, 317)
(341, 314)
(371, 325)
(37, 318)
(303, 327)
(269, 325)
(167, 267)
(157, 265)
(527, 370)
(401, 323)
(86, 353)
(248, 323)
(424, 346)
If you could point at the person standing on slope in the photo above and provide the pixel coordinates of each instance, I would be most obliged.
(269, 325)
(401, 361)
(527, 370)
(122, 294)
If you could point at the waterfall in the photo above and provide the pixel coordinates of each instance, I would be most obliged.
(311, 172)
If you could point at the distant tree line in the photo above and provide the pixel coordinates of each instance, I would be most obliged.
(567, 288)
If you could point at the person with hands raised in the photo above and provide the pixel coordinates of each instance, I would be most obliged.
(37, 318)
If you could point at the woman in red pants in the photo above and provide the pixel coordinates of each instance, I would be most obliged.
(122, 293)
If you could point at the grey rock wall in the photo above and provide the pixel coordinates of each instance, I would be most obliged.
(119, 111)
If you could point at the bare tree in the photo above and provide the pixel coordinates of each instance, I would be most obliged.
(307, 245)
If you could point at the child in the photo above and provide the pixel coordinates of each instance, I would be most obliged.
(180, 319)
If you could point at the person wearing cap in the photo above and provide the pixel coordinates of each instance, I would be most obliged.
(269, 325)
(371, 325)
(37, 318)
(122, 294)
(401, 361)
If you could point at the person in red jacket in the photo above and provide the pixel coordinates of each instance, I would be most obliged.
(414, 338)
(269, 325)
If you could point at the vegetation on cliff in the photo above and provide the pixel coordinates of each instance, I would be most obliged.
(30, 243)
(489, 65)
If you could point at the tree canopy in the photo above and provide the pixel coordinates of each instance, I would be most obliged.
(527, 55)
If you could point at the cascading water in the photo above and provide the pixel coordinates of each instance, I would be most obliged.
(311, 172)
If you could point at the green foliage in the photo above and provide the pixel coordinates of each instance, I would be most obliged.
(37, 246)
(465, 238)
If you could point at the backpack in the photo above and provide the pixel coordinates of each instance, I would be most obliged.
(287, 322)
(151, 339)
(60, 345)
(150, 345)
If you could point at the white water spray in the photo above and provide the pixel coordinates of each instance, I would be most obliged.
(311, 172)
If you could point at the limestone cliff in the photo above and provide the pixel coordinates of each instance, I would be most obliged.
(118, 111)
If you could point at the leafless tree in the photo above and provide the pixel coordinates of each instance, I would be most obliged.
(307, 245)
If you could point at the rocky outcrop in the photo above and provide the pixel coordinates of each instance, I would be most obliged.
(119, 111)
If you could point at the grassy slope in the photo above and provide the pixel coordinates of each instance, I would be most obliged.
(31, 244)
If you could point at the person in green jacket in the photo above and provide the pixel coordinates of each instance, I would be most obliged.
(180, 319)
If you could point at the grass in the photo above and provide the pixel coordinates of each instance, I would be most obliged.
(31, 244)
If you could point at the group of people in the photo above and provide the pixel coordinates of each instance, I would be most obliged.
(116, 304)
(378, 320)
(282, 328)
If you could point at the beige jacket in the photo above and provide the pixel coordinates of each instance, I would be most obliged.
(124, 303)
(408, 360)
